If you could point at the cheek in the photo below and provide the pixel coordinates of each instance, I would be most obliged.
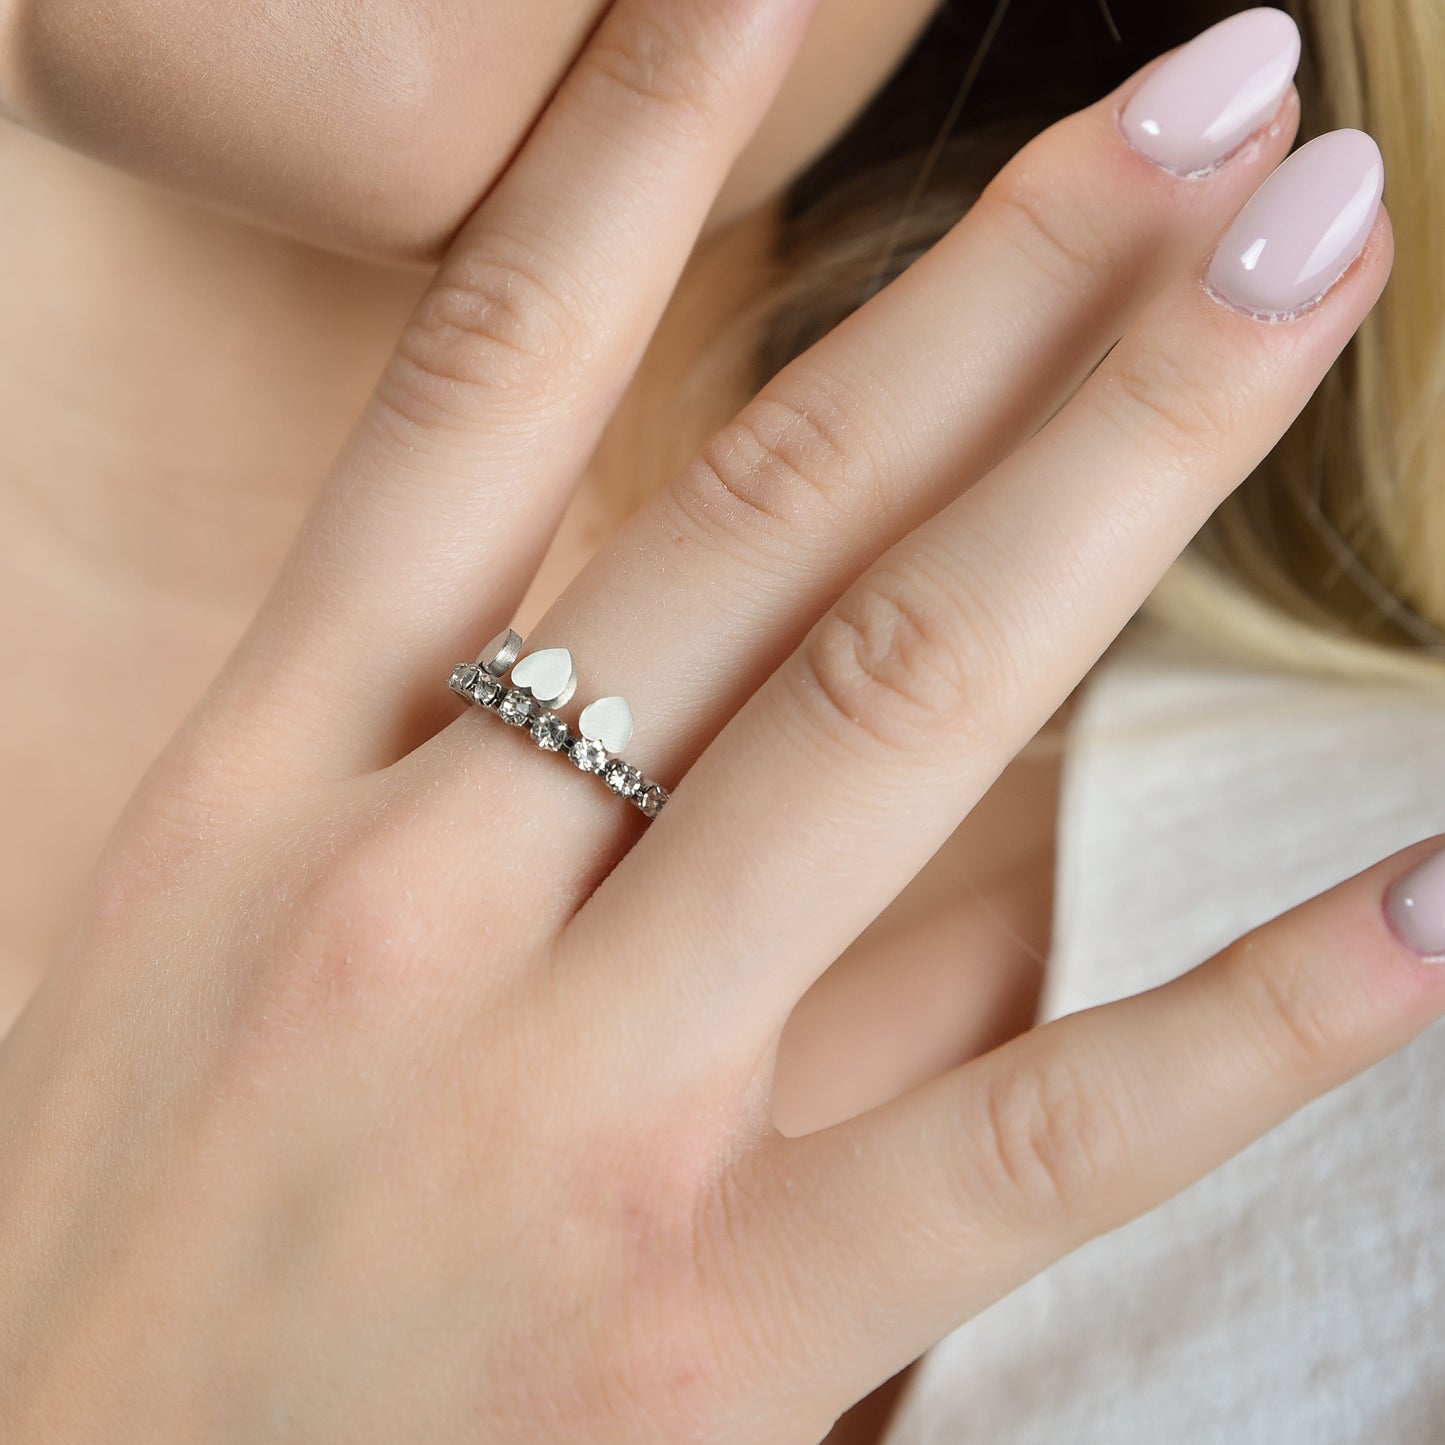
(369, 126)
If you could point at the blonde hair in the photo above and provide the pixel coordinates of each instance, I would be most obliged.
(1331, 557)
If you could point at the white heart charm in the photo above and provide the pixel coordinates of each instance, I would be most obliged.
(607, 721)
(550, 676)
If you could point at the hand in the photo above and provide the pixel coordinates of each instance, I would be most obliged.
(402, 1084)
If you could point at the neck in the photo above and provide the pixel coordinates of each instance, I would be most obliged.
(174, 384)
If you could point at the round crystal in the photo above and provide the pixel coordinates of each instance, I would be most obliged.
(622, 778)
(549, 732)
(589, 756)
(486, 690)
(515, 708)
(652, 799)
(463, 678)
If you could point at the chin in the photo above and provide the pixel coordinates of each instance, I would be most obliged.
(369, 127)
(372, 127)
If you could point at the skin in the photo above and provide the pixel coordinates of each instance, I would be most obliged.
(257, 1093)
(943, 975)
(395, 117)
(180, 540)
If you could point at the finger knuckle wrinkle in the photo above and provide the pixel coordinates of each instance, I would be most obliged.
(1159, 398)
(494, 328)
(1051, 229)
(653, 59)
(779, 464)
(1050, 1143)
(1298, 1033)
(890, 660)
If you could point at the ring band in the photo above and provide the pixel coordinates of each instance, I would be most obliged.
(550, 681)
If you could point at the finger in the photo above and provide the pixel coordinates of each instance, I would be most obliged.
(451, 488)
(859, 757)
(884, 421)
(896, 1227)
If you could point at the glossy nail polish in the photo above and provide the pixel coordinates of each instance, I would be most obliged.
(1208, 98)
(1415, 907)
(1302, 228)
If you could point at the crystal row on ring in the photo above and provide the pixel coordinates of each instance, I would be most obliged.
(551, 734)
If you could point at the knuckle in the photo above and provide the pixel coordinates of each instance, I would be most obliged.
(351, 934)
(1048, 220)
(1156, 397)
(901, 662)
(195, 805)
(157, 862)
(661, 1377)
(782, 465)
(490, 327)
(1049, 1145)
(658, 1216)
(655, 58)
(1296, 1030)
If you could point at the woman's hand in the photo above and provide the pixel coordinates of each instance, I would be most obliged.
(402, 1084)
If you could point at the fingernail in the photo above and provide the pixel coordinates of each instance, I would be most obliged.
(1415, 907)
(1211, 96)
(1302, 228)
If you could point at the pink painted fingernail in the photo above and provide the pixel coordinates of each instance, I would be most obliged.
(1302, 228)
(1205, 100)
(1415, 907)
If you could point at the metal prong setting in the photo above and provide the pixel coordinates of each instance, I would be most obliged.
(480, 684)
(500, 653)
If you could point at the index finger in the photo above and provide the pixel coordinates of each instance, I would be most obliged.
(453, 484)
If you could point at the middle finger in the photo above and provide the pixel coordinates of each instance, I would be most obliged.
(920, 392)
(858, 758)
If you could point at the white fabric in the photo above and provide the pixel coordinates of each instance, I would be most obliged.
(1297, 1296)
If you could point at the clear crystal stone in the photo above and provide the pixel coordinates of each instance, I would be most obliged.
(589, 756)
(652, 799)
(463, 677)
(549, 732)
(515, 708)
(622, 778)
(486, 690)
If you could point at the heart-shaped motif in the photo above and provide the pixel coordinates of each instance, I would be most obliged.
(500, 653)
(607, 721)
(550, 676)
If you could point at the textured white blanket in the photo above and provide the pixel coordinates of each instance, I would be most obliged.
(1296, 1297)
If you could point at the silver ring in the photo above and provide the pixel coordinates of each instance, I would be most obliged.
(542, 682)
